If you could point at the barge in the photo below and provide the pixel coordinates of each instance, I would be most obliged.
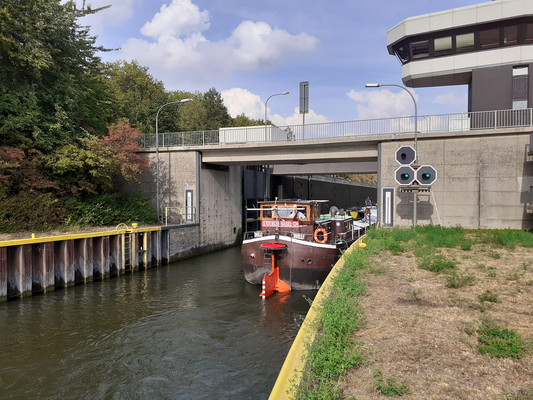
(297, 246)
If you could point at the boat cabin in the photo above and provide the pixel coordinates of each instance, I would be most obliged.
(302, 219)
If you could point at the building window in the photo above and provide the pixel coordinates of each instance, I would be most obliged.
(443, 46)
(464, 42)
(489, 38)
(520, 87)
(510, 35)
(402, 53)
(420, 49)
(529, 33)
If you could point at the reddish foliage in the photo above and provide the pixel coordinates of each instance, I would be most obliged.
(17, 172)
(123, 139)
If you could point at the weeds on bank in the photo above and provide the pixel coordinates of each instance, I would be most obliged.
(389, 386)
(489, 296)
(499, 342)
(456, 280)
(334, 349)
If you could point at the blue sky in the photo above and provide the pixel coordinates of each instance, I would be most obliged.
(251, 49)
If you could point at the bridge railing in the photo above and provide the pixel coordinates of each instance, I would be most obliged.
(335, 130)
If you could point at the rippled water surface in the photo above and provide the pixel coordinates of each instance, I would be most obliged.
(191, 330)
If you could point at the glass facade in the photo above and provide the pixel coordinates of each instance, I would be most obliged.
(483, 37)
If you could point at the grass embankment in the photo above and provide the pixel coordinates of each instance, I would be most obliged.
(427, 314)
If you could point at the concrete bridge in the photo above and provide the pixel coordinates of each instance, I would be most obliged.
(484, 168)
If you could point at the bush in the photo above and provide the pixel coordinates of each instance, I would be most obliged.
(30, 211)
(109, 209)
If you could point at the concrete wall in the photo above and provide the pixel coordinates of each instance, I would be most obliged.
(483, 181)
(217, 197)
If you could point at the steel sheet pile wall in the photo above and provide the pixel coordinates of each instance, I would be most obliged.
(42, 265)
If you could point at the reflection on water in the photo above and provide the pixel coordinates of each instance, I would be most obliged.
(192, 330)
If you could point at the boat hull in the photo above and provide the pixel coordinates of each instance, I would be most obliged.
(303, 265)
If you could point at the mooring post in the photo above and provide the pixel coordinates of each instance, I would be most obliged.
(43, 267)
(3, 274)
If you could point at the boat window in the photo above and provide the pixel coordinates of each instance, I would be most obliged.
(266, 213)
(284, 212)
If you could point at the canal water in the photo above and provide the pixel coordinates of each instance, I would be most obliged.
(191, 330)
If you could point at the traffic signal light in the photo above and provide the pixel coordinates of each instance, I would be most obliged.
(426, 175)
(405, 175)
(405, 155)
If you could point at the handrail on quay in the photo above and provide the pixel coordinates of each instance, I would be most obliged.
(459, 122)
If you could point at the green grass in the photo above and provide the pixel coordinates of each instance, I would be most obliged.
(389, 386)
(499, 342)
(456, 280)
(437, 263)
(489, 296)
(334, 349)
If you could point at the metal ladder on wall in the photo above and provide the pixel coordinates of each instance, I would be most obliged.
(127, 252)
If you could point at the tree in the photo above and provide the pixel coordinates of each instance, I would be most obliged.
(51, 92)
(123, 139)
(140, 95)
(216, 113)
(243, 120)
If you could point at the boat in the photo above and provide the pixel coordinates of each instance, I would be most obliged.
(297, 246)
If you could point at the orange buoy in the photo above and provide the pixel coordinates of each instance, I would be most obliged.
(320, 231)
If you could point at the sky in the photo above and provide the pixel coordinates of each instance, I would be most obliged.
(250, 50)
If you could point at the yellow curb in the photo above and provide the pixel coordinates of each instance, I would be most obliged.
(292, 369)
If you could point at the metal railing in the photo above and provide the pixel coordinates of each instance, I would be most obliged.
(335, 130)
(183, 215)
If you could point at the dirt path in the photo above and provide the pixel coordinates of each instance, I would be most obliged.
(423, 332)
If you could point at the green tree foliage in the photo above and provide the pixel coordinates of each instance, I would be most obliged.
(243, 120)
(139, 96)
(216, 113)
(90, 169)
(52, 90)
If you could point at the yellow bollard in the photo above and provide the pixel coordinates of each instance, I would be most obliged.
(33, 235)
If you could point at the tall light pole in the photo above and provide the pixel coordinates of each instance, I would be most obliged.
(266, 102)
(415, 192)
(179, 102)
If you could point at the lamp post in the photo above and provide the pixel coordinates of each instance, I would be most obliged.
(266, 102)
(415, 193)
(179, 102)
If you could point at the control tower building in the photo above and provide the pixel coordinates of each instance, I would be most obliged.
(488, 46)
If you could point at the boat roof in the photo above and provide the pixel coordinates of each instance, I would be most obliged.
(292, 201)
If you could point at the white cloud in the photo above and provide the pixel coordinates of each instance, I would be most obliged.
(181, 17)
(297, 118)
(382, 103)
(240, 101)
(180, 51)
(119, 12)
(452, 99)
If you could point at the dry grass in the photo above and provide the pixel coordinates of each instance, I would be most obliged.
(418, 329)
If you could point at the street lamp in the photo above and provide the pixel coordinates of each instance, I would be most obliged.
(376, 85)
(266, 102)
(179, 102)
